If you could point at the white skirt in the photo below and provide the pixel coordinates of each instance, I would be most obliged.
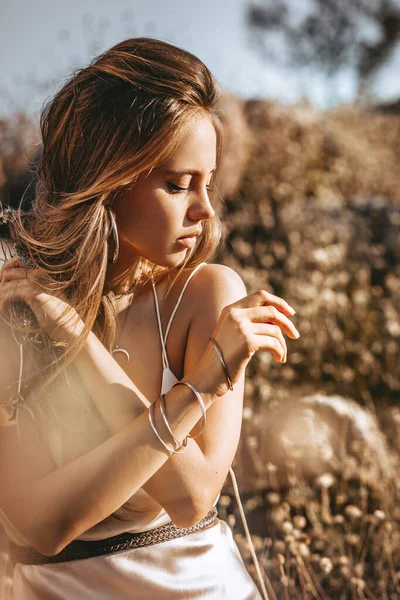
(206, 564)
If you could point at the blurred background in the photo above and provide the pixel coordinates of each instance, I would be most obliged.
(311, 211)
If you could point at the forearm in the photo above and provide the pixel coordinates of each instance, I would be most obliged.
(184, 485)
(114, 394)
(72, 499)
(186, 476)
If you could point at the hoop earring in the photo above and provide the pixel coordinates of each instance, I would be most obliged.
(114, 232)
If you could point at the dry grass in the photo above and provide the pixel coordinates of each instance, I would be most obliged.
(311, 214)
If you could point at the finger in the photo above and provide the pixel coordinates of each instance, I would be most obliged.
(11, 263)
(271, 344)
(261, 298)
(14, 290)
(8, 264)
(272, 331)
(12, 273)
(270, 314)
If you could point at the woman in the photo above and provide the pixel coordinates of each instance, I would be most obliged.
(127, 417)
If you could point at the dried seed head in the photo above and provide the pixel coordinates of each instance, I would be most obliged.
(345, 571)
(280, 559)
(247, 413)
(299, 521)
(231, 520)
(325, 481)
(326, 565)
(304, 550)
(359, 570)
(353, 512)
(252, 442)
(224, 500)
(292, 546)
(279, 546)
(352, 539)
(338, 520)
(285, 581)
(253, 503)
(273, 498)
(379, 515)
(287, 527)
(358, 583)
(297, 534)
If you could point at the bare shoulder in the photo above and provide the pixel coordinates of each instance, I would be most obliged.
(216, 286)
(213, 288)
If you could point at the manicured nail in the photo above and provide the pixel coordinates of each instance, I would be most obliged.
(292, 311)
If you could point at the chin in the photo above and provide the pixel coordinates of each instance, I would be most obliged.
(173, 260)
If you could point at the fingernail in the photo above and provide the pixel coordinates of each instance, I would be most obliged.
(292, 311)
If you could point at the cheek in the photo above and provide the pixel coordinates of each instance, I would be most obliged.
(154, 217)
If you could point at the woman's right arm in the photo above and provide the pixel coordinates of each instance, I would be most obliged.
(51, 509)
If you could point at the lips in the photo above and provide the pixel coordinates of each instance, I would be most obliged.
(190, 235)
(189, 240)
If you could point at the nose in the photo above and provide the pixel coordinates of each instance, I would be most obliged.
(201, 207)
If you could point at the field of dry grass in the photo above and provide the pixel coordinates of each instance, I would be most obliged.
(311, 213)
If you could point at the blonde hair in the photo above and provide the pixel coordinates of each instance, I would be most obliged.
(114, 120)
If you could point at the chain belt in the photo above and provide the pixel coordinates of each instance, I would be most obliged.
(80, 549)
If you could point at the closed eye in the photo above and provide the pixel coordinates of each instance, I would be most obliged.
(175, 189)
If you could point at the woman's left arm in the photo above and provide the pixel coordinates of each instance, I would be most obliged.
(189, 483)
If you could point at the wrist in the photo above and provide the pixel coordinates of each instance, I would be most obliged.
(210, 386)
(70, 331)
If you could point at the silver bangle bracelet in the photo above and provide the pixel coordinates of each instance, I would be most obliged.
(178, 444)
(224, 365)
(200, 401)
(151, 419)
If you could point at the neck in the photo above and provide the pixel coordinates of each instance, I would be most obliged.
(123, 276)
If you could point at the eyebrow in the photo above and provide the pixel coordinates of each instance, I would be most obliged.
(186, 172)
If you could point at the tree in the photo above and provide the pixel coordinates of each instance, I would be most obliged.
(326, 34)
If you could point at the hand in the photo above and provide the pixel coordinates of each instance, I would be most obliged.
(256, 322)
(54, 315)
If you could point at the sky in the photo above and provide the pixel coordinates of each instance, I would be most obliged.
(42, 42)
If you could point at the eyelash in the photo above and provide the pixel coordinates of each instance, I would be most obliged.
(176, 189)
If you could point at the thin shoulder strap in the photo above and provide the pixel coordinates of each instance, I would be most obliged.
(162, 337)
(179, 300)
(248, 537)
(163, 350)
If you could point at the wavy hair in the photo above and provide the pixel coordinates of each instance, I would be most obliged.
(111, 122)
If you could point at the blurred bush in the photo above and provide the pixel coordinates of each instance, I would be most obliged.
(315, 218)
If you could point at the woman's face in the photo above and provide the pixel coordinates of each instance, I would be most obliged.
(155, 215)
